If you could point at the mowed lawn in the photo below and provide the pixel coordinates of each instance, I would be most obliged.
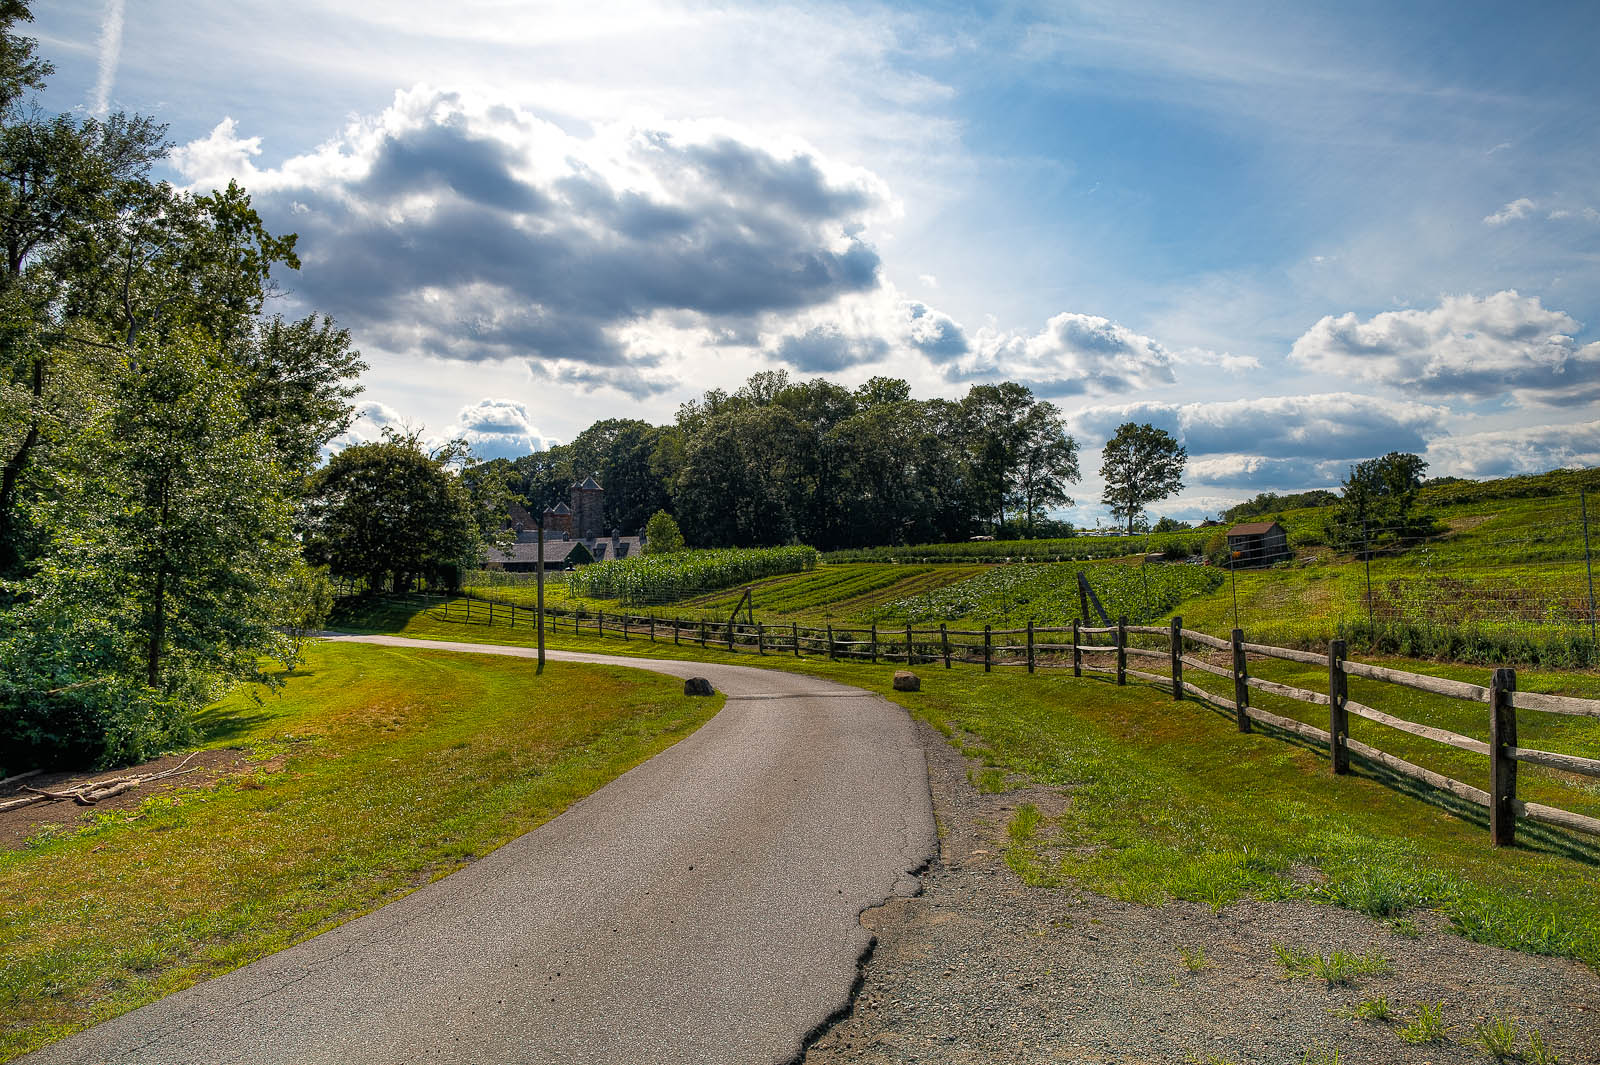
(372, 771)
(1169, 800)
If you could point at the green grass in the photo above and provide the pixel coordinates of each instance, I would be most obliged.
(422, 760)
(1428, 1026)
(1236, 811)
(1340, 967)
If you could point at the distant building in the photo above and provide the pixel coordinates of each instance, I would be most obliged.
(1258, 543)
(574, 534)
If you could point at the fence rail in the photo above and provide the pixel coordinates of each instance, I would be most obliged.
(949, 647)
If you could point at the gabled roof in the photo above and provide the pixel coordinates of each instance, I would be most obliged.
(589, 485)
(555, 551)
(559, 508)
(1253, 528)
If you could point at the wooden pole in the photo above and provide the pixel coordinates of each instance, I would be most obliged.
(830, 643)
(1077, 653)
(702, 632)
(1502, 767)
(1030, 647)
(761, 639)
(944, 642)
(677, 628)
(730, 634)
(796, 638)
(652, 628)
(873, 645)
(1241, 689)
(1588, 565)
(1338, 715)
(1122, 649)
(538, 569)
(1176, 647)
(987, 655)
(908, 647)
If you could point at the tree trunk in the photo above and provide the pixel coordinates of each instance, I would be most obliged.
(10, 555)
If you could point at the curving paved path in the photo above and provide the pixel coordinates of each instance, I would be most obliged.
(700, 908)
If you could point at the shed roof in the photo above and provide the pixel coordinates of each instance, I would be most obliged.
(1253, 528)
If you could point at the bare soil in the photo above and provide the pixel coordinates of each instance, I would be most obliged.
(204, 770)
(983, 968)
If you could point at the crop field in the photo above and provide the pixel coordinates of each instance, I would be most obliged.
(1047, 594)
(848, 590)
(1069, 549)
(650, 579)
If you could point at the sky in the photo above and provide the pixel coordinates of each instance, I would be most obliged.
(1295, 236)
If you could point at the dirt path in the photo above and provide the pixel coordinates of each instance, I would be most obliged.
(982, 968)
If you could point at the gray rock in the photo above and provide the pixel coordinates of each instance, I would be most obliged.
(698, 686)
(907, 681)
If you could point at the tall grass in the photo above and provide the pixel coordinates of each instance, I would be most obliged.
(668, 578)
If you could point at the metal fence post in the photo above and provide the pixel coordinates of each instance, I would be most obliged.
(1338, 716)
(1502, 767)
(1241, 686)
(1176, 648)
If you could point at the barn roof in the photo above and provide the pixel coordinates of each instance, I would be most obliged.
(1253, 528)
(555, 551)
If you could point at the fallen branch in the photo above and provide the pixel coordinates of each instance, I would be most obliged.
(91, 792)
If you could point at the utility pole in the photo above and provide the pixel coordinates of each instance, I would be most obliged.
(538, 568)
(1588, 565)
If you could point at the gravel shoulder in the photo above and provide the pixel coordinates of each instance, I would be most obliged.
(982, 967)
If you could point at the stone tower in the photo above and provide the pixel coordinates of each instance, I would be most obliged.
(588, 510)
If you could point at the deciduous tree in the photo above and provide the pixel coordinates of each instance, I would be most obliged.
(1140, 464)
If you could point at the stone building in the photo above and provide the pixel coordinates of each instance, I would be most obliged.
(574, 533)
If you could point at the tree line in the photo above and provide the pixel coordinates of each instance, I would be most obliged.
(784, 461)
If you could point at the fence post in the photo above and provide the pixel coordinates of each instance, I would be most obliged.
(1502, 767)
(830, 643)
(677, 625)
(652, 628)
(491, 613)
(1077, 654)
(1122, 649)
(1030, 647)
(796, 625)
(761, 638)
(625, 626)
(1338, 716)
(874, 643)
(1241, 687)
(908, 647)
(702, 632)
(1177, 659)
(944, 643)
(730, 634)
(576, 614)
(988, 657)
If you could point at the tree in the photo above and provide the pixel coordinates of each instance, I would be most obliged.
(1046, 462)
(1377, 499)
(662, 535)
(390, 512)
(1140, 464)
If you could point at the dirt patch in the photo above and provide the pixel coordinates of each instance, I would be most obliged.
(204, 770)
(982, 968)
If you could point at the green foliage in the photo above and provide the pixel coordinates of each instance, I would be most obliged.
(1048, 594)
(1428, 1026)
(1271, 504)
(1371, 1009)
(1377, 501)
(1497, 1035)
(1193, 960)
(1339, 967)
(1451, 491)
(667, 578)
(662, 535)
(390, 512)
(1068, 549)
(1538, 1053)
(1140, 465)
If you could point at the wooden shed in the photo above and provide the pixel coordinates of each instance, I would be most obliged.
(1258, 543)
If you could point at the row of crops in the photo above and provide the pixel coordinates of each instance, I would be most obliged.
(1048, 594)
(651, 579)
(1070, 549)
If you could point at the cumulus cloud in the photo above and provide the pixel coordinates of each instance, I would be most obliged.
(1519, 208)
(1499, 345)
(1505, 452)
(1274, 441)
(1074, 354)
(498, 428)
(370, 419)
(470, 229)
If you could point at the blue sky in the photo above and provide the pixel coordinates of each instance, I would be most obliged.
(1297, 235)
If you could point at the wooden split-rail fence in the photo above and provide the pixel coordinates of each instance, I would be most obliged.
(1037, 647)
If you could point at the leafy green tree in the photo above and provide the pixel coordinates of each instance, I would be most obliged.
(391, 512)
(745, 477)
(1046, 462)
(1377, 501)
(1140, 464)
(662, 535)
(619, 451)
(992, 434)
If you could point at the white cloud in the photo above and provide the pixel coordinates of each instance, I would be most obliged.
(1519, 208)
(498, 428)
(110, 53)
(1505, 452)
(1074, 354)
(371, 418)
(1495, 346)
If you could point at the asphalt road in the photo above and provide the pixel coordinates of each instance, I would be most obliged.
(700, 908)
